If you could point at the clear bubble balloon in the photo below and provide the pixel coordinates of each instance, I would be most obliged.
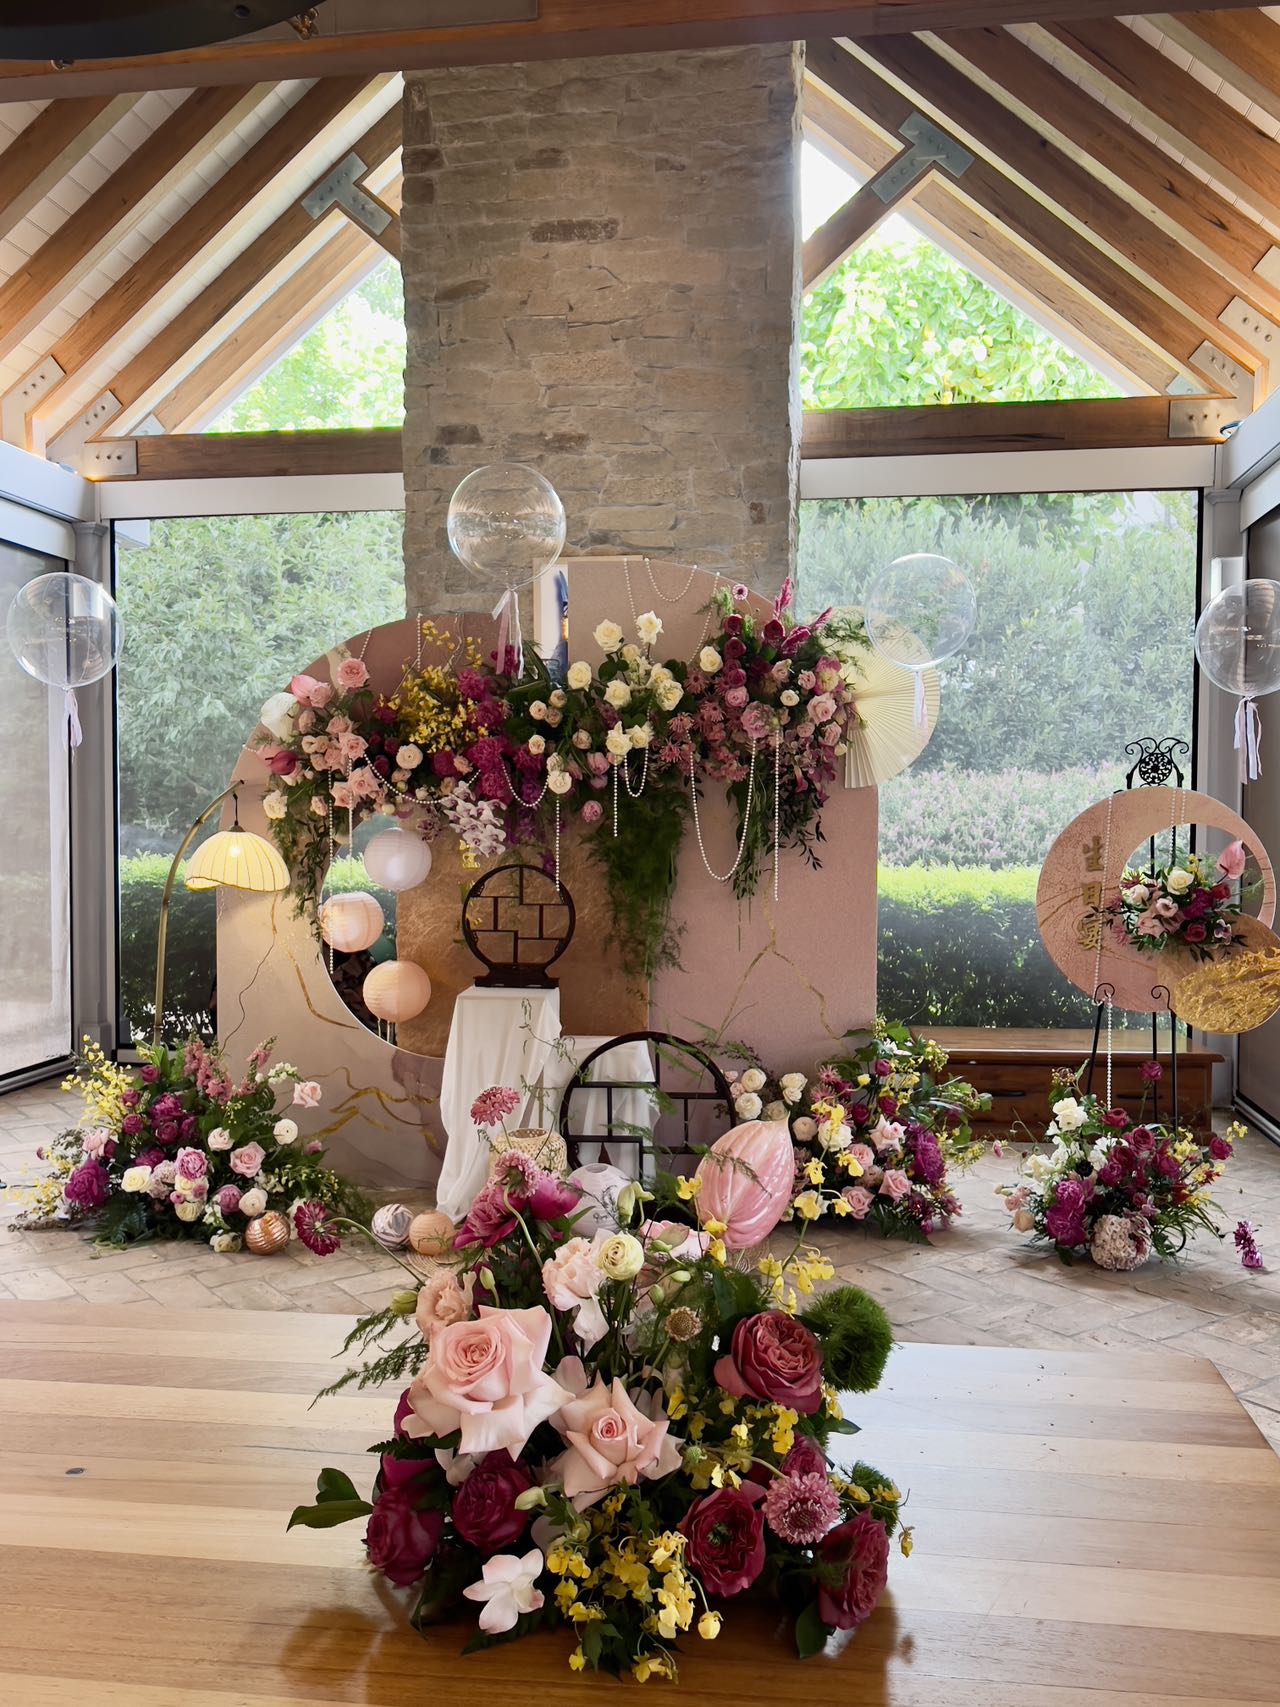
(507, 523)
(920, 610)
(64, 630)
(1238, 639)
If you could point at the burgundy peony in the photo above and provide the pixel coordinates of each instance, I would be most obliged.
(725, 1540)
(775, 1358)
(551, 1198)
(484, 1507)
(930, 1163)
(149, 1075)
(87, 1186)
(489, 1219)
(400, 1539)
(132, 1125)
(860, 1548)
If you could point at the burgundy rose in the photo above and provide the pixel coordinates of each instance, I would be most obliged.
(734, 648)
(168, 1132)
(484, 1507)
(131, 1125)
(400, 1539)
(733, 625)
(397, 1472)
(889, 1107)
(149, 1075)
(1111, 1172)
(859, 1548)
(883, 1069)
(775, 1358)
(1195, 933)
(1221, 892)
(773, 633)
(1142, 1141)
(1219, 1148)
(87, 1186)
(149, 1158)
(1168, 1165)
(806, 1458)
(1116, 1118)
(725, 1540)
(131, 1099)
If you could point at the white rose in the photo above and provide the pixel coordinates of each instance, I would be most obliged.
(659, 675)
(631, 652)
(1178, 881)
(1068, 1114)
(617, 694)
(709, 661)
(620, 1256)
(748, 1106)
(1036, 1167)
(188, 1210)
(408, 757)
(752, 1080)
(793, 1082)
(559, 782)
(669, 695)
(789, 696)
(649, 627)
(559, 698)
(537, 743)
(617, 742)
(253, 1202)
(538, 710)
(135, 1179)
(608, 637)
(219, 1139)
(275, 805)
(775, 1111)
(278, 715)
(804, 1129)
(640, 734)
(834, 1135)
(285, 1130)
(225, 1243)
(579, 676)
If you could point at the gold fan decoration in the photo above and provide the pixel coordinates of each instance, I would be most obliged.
(887, 737)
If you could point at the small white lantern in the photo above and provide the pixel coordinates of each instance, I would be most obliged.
(396, 991)
(352, 922)
(397, 860)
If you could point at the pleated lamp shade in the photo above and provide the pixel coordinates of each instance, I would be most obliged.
(397, 990)
(236, 859)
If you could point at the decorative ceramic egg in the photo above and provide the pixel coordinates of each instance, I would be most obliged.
(431, 1233)
(390, 1225)
(267, 1234)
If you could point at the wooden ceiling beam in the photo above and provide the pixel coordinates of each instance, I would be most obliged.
(1165, 191)
(1242, 47)
(1148, 317)
(857, 218)
(1062, 185)
(244, 273)
(1180, 108)
(965, 230)
(558, 29)
(249, 456)
(211, 219)
(57, 138)
(1107, 423)
(60, 263)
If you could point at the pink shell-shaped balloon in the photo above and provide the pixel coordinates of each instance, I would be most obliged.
(747, 1180)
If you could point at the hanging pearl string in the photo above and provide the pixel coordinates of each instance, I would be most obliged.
(777, 810)
(723, 877)
(625, 768)
(716, 584)
(556, 814)
(1097, 956)
(669, 598)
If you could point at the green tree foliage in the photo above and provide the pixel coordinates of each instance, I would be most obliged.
(347, 372)
(900, 322)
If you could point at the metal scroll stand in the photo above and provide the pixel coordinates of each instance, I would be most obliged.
(1153, 765)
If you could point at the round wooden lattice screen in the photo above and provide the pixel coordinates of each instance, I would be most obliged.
(518, 921)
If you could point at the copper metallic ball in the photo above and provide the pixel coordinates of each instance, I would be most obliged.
(267, 1234)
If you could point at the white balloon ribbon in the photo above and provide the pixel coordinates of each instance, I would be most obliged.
(73, 734)
(507, 613)
(920, 713)
(1248, 739)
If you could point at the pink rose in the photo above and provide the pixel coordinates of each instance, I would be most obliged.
(343, 795)
(609, 1439)
(1149, 923)
(309, 692)
(350, 674)
(1232, 861)
(307, 1094)
(191, 1164)
(887, 1134)
(486, 1378)
(100, 1145)
(352, 747)
(859, 1200)
(895, 1185)
(444, 1300)
(822, 708)
(247, 1159)
(863, 1155)
(773, 1357)
(572, 1281)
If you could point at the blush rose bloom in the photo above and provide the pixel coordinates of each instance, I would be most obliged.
(443, 1301)
(247, 1159)
(572, 1280)
(775, 1358)
(307, 1094)
(862, 1548)
(487, 1379)
(350, 674)
(895, 1185)
(609, 1439)
(859, 1200)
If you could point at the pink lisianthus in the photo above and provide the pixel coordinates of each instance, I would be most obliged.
(350, 675)
(572, 1281)
(486, 1379)
(608, 1438)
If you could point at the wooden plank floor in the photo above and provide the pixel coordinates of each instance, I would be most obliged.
(1094, 1529)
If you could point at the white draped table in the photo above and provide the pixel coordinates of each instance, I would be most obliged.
(513, 1038)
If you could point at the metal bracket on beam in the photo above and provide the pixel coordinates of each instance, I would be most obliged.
(1220, 371)
(1202, 417)
(70, 445)
(929, 147)
(22, 399)
(342, 189)
(1254, 327)
(109, 459)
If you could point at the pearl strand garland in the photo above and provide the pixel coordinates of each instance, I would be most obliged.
(1097, 957)
(746, 819)
(777, 809)
(625, 768)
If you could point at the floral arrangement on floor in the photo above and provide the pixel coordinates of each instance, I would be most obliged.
(180, 1148)
(876, 1132)
(764, 709)
(622, 1426)
(1188, 903)
(1116, 1189)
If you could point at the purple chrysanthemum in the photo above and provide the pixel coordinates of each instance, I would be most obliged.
(801, 1509)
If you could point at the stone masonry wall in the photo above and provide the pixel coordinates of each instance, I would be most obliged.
(601, 266)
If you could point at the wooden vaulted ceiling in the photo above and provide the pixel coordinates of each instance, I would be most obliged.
(1119, 177)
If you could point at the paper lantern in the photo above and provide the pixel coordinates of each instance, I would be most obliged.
(351, 923)
(396, 991)
(390, 1225)
(397, 860)
(431, 1233)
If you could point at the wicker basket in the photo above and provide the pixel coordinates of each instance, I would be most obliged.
(539, 1143)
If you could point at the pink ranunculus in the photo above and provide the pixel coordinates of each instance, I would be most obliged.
(572, 1281)
(775, 1358)
(247, 1159)
(859, 1200)
(443, 1300)
(1232, 861)
(608, 1439)
(350, 674)
(895, 1185)
(747, 1176)
(486, 1378)
(725, 1539)
(307, 1094)
(861, 1548)
(191, 1164)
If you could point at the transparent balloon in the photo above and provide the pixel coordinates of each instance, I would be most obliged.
(507, 523)
(64, 630)
(920, 610)
(1238, 639)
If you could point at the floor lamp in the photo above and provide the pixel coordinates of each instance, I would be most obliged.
(230, 859)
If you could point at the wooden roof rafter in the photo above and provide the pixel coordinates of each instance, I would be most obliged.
(1242, 47)
(45, 150)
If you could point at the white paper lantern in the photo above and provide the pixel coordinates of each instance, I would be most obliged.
(351, 923)
(397, 990)
(397, 860)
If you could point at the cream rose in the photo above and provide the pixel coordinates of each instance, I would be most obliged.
(188, 1210)
(219, 1139)
(275, 805)
(579, 676)
(748, 1106)
(617, 694)
(135, 1179)
(640, 734)
(285, 1131)
(709, 661)
(1178, 881)
(649, 627)
(408, 756)
(225, 1243)
(537, 743)
(752, 1080)
(559, 782)
(617, 742)
(804, 1129)
(669, 695)
(253, 1202)
(619, 1255)
(608, 636)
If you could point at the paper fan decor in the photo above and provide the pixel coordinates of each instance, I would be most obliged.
(887, 737)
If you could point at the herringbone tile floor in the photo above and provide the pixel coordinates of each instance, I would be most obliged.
(976, 1285)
